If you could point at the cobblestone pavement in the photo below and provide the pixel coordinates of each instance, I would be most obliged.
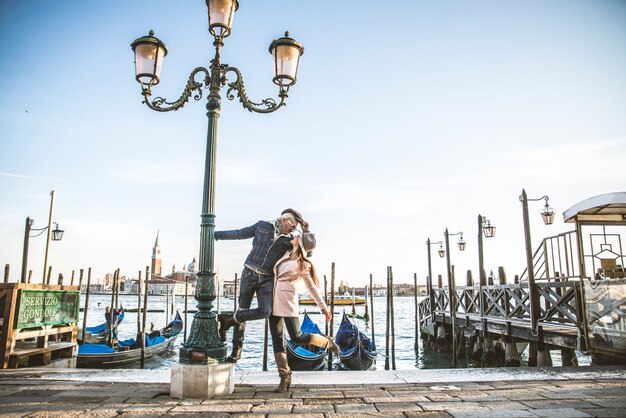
(552, 398)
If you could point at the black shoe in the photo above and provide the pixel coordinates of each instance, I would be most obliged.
(226, 321)
(235, 354)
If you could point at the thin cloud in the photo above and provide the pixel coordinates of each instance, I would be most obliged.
(23, 176)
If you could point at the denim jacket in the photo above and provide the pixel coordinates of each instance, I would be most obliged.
(265, 250)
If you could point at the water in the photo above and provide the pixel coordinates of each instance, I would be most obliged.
(407, 357)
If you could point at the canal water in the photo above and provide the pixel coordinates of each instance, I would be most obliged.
(406, 355)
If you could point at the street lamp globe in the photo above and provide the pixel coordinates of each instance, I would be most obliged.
(221, 14)
(547, 214)
(149, 53)
(57, 233)
(461, 243)
(286, 52)
(489, 230)
(441, 251)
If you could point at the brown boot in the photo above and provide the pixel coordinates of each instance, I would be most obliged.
(324, 341)
(283, 371)
(226, 320)
(235, 354)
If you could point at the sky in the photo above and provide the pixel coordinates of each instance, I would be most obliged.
(404, 121)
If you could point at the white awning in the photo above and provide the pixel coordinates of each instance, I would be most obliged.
(610, 207)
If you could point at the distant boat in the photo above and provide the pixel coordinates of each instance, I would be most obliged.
(306, 357)
(345, 299)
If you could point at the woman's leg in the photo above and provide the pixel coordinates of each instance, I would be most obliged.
(280, 356)
(277, 332)
(295, 333)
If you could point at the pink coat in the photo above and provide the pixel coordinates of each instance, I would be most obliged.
(287, 273)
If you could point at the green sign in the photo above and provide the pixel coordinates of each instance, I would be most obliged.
(47, 307)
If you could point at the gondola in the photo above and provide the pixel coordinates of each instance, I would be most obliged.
(103, 356)
(357, 351)
(98, 334)
(306, 357)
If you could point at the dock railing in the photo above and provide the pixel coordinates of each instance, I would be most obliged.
(509, 304)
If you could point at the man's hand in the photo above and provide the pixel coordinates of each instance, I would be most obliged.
(305, 226)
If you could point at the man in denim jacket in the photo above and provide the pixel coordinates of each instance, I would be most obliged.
(269, 243)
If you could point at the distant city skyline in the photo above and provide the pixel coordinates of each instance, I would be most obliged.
(407, 121)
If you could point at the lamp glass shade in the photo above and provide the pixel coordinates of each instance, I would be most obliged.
(461, 244)
(149, 54)
(221, 14)
(441, 252)
(57, 234)
(286, 54)
(489, 231)
(547, 214)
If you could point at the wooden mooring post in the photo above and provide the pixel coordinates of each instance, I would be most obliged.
(332, 309)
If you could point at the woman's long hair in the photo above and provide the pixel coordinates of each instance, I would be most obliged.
(303, 261)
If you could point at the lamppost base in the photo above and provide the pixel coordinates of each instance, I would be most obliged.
(214, 355)
(197, 381)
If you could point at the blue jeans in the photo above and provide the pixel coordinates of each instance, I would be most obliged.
(252, 283)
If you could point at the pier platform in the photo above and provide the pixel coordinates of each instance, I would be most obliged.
(502, 392)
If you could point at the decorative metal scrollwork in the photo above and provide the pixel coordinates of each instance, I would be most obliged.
(265, 106)
(161, 104)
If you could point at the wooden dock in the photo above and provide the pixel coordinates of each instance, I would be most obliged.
(558, 306)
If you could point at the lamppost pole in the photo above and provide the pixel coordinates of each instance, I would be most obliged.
(203, 345)
(429, 283)
(547, 214)
(481, 261)
(452, 291)
(45, 259)
(452, 298)
(532, 288)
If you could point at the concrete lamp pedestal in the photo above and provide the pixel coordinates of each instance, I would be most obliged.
(195, 381)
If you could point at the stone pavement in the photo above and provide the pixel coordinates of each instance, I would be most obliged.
(550, 392)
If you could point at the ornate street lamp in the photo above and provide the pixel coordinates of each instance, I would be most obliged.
(484, 228)
(547, 214)
(489, 231)
(429, 279)
(203, 345)
(55, 235)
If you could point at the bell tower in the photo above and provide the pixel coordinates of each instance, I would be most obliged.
(156, 257)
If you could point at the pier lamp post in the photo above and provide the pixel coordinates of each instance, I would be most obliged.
(55, 234)
(484, 228)
(547, 214)
(429, 281)
(451, 289)
(203, 345)
(489, 231)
